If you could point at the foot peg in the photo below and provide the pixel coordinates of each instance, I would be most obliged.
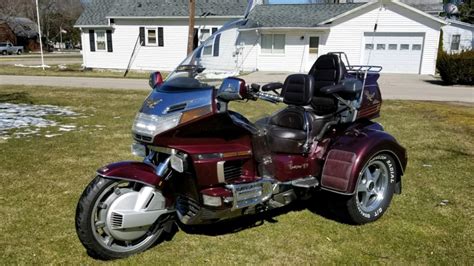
(308, 182)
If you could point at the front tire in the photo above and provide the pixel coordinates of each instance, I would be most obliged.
(373, 193)
(91, 226)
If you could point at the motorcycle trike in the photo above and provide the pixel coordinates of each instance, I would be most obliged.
(204, 163)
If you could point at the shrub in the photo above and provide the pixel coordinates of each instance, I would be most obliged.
(456, 68)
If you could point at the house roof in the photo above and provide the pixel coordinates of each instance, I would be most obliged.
(22, 27)
(97, 12)
(165, 8)
(457, 22)
(296, 15)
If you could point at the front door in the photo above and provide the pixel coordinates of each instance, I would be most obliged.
(312, 51)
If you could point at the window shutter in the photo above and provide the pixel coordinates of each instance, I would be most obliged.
(92, 40)
(109, 41)
(214, 30)
(160, 37)
(142, 36)
(217, 40)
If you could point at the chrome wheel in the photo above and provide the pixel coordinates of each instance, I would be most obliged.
(116, 218)
(103, 224)
(373, 186)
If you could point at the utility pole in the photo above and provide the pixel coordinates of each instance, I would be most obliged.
(192, 7)
(39, 33)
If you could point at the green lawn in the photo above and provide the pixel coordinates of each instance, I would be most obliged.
(42, 179)
(72, 70)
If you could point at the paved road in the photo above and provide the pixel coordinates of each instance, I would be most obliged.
(35, 59)
(76, 82)
(394, 86)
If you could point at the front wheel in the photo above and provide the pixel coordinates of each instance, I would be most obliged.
(101, 218)
(373, 193)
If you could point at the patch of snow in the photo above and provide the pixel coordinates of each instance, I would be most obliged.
(35, 66)
(52, 135)
(28, 119)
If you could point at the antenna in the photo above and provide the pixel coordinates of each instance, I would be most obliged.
(451, 10)
(131, 56)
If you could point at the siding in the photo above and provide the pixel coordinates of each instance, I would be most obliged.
(347, 34)
(125, 34)
(295, 58)
(467, 36)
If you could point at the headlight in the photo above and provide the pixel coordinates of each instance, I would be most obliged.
(152, 125)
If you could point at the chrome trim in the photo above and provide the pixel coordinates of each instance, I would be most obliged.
(251, 194)
(162, 168)
(161, 149)
(220, 171)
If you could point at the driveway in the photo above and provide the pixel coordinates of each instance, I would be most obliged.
(396, 87)
(393, 86)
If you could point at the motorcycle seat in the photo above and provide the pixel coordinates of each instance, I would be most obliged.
(287, 131)
(328, 73)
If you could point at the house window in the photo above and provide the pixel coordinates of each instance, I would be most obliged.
(455, 42)
(151, 37)
(380, 46)
(212, 46)
(393, 46)
(100, 42)
(205, 33)
(416, 47)
(369, 46)
(404, 47)
(273, 43)
(154, 36)
(313, 45)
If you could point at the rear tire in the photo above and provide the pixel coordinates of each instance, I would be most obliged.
(373, 192)
(95, 199)
(19, 52)
(4, 52)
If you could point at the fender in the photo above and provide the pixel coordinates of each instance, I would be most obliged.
(350, 153)
(132, 171)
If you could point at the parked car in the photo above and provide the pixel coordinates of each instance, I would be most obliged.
(8, 48)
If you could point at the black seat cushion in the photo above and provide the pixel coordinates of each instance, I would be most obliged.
(328, 70)
(324, 105)
(298, 89)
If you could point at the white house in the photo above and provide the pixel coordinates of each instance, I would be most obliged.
(458, 36)
(285, 37)
(148, 35)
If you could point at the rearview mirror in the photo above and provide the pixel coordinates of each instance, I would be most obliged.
(156, 79)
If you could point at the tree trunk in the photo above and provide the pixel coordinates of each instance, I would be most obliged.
(192, 6)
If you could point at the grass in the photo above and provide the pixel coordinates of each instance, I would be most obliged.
(72, 70)
(42, 179)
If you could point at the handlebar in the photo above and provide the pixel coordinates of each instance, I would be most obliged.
(269, 97)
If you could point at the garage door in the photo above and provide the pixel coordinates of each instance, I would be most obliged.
(395, 52)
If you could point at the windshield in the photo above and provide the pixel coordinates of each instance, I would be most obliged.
(218, 57)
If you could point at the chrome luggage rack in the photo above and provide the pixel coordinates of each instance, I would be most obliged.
(357, 68)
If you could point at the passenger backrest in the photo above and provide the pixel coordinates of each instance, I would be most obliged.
(328, 70)
(298, 89)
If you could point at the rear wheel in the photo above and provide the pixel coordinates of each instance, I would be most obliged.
(374, 191)
(19, 52)
(96, 224)
(4, 52)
